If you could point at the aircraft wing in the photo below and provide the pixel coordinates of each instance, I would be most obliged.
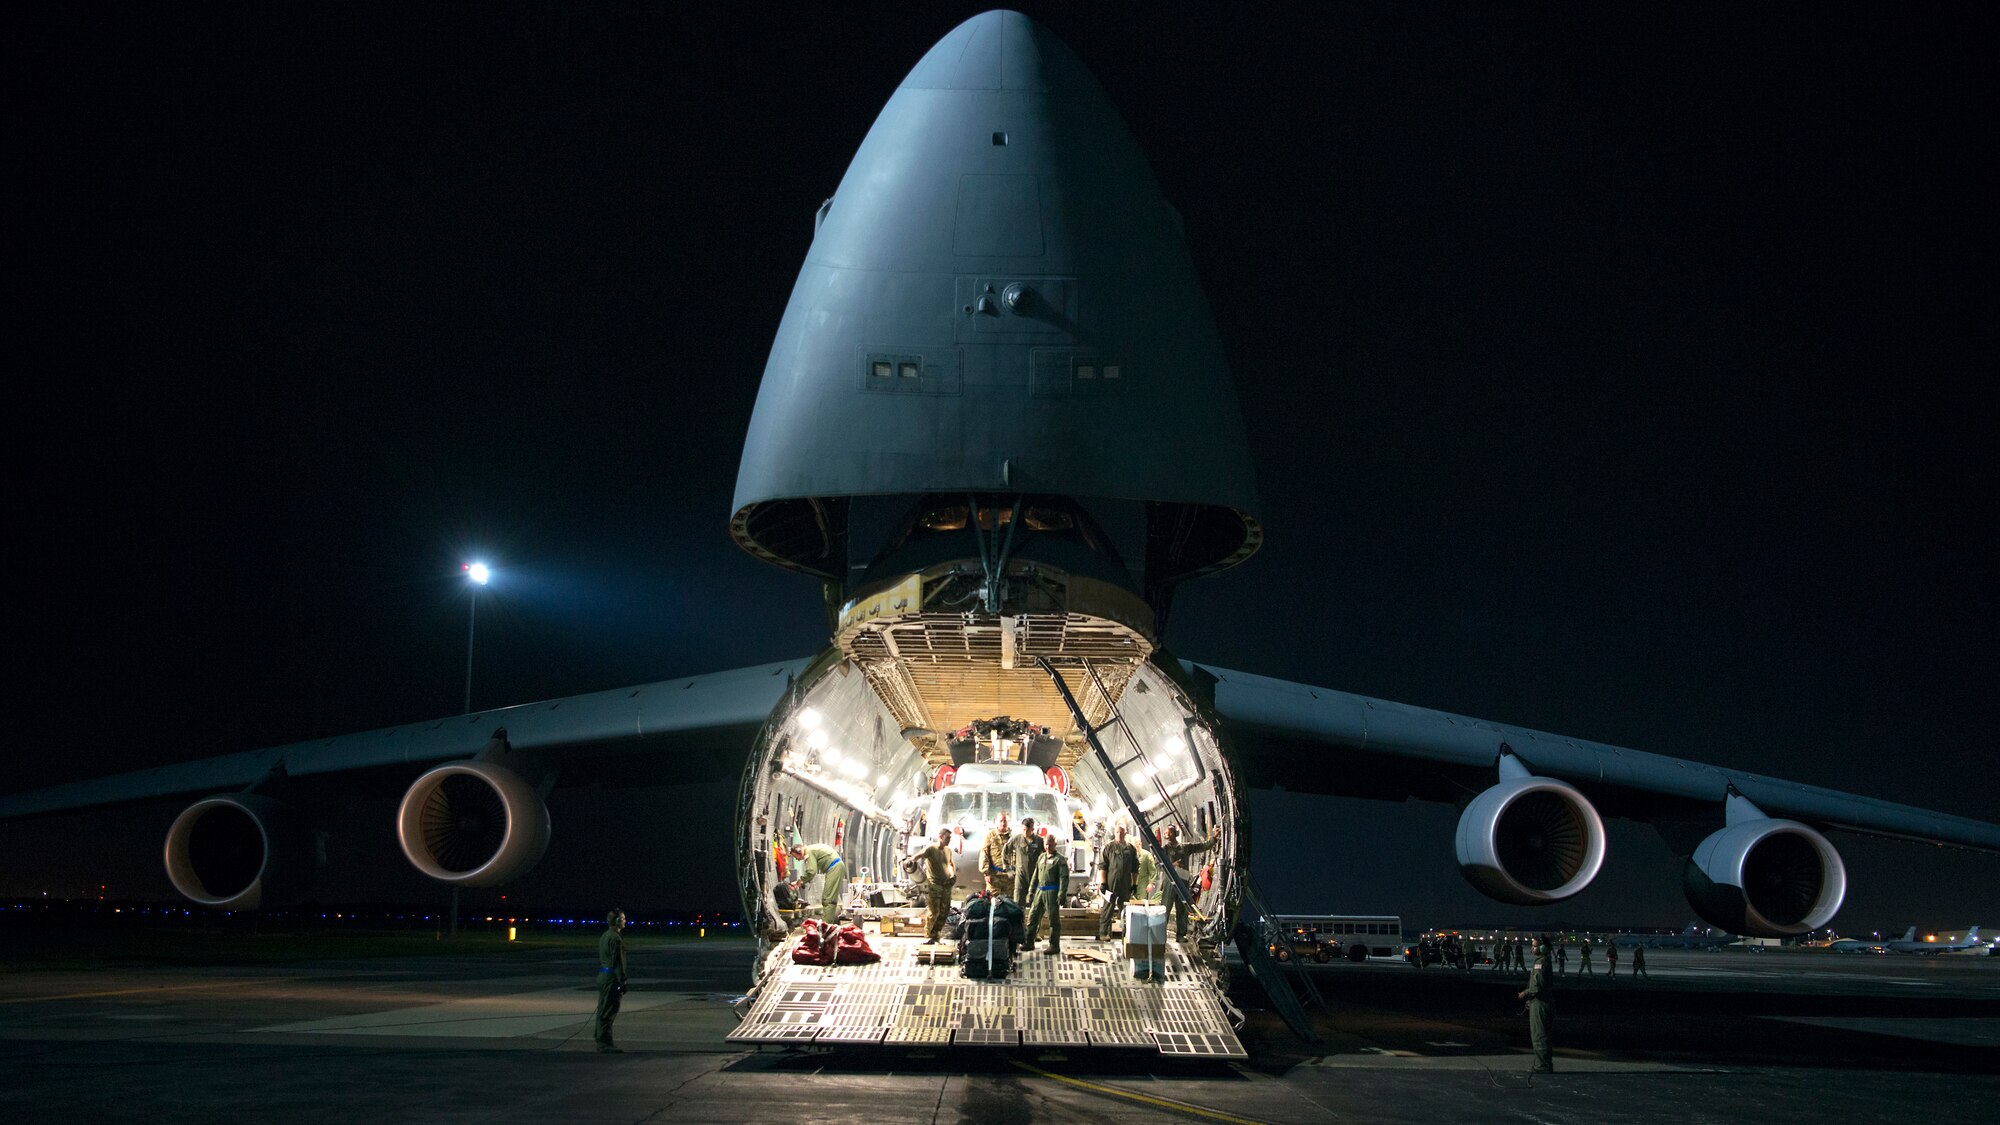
(1281, 730)
(704, 723)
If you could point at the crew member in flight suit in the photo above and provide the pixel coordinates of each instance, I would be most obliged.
(1027, 852)
(1583, 967)
(939, 870)
(1177, 854)
(1118, 868)
(1540, 988)
(818, 859)
(1051, 880)
(610, 979)
(996, 859)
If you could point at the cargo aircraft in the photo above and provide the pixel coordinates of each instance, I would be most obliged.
(996, 388)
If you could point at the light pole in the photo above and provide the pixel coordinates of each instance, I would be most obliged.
(479, 574)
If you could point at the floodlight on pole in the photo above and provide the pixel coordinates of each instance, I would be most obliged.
(479, 574)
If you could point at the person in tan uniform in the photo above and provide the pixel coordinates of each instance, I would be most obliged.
(939, 870)
(996, 859)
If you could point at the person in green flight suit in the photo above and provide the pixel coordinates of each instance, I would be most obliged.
(1177, 854)
(1541, 985)
(1050, 882)
(938, 869)
(1118, 868)
(818, 859)
(1027, 851)
(610, 979)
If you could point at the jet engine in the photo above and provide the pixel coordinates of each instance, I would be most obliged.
(473, 823)
(1766, 878)
(242, 851)
(1530, 840)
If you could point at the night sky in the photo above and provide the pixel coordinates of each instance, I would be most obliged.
(1611, 372)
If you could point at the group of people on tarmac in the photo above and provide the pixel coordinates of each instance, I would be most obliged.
(1510, 955)
(1584, 967)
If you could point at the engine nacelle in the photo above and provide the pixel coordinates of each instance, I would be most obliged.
(473, 824)
(1766, 878)
(1530, 840)
(241, 851)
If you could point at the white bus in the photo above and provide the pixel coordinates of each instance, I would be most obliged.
(1359, 935)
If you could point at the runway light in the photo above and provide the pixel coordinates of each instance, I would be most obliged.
(510, 933)
(479, 572)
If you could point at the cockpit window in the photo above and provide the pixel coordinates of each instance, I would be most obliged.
(1041, 806)
(961, 809)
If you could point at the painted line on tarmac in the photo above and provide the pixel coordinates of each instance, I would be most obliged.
(1147, 1099)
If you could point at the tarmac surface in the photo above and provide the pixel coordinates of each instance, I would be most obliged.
(499, 1037)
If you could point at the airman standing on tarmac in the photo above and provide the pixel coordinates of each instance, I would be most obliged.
(996, 859)
(1118, 868)
(1051, 879)
(1562, 957)
(1540, 988)
(610, 979)
(1583, 967)
(1177, 854)
(1611, 959)
(818, 859)
(938, 870)
(1639, 962)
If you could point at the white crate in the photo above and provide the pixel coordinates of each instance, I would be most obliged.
(1146, 925)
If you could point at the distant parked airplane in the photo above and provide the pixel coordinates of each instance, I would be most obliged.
(1908, 943)
(1696, 936)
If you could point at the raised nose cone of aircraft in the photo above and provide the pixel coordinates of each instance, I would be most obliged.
(997, 300)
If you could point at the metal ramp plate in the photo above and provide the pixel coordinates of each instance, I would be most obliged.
(1043, 1001)
(1050, 1017)
(927, 1014)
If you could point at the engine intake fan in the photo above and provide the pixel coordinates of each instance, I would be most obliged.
(473, 824)
(1766, 878)
(1530, 840)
